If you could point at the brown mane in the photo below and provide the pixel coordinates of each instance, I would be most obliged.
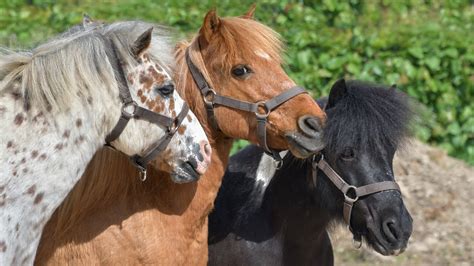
(108, 176)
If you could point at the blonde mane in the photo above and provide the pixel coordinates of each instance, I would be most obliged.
(69, 66)
(110, 176)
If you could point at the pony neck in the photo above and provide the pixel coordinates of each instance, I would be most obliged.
(45, 154)
(294, 202)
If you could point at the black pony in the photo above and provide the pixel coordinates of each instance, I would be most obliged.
(269, 216)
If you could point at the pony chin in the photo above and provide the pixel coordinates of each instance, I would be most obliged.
(301, 146)
(184, 174)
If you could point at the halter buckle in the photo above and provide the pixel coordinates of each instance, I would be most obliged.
(126, 106)
(347, 198)
(173, 127)
(278, 164)
(209, 97)
(262, 104)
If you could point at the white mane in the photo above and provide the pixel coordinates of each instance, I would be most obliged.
(73, 64)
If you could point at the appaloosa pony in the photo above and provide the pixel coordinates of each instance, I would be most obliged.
(269, 216)
(231, 60)
(64, 100)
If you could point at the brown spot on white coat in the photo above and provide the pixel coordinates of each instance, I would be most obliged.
(150, 104)
(38, 198)
(181, 130)
(130, 78)
(16, 96)
(19, 119)
(159, 78)
(31, 190)
(36, 117)
(143, 98)
(146, 81)
(79, 140)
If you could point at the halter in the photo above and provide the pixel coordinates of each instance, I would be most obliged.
(130, 109)
(348, 190)
(262, 109)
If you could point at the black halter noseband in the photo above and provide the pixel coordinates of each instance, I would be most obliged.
(262, 109)
(138, 112)
(351, 193)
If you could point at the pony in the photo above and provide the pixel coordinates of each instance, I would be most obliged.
(269, 216)
(65, 99)
(239, 58)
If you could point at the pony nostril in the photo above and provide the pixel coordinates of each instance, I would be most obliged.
(310, 125)
(205, 152)
(390, 231)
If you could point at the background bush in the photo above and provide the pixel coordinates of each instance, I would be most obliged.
(426, 47)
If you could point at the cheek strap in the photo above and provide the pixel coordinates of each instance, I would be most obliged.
(262, 109)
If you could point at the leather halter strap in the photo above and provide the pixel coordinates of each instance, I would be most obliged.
(262, 109)
(138, 112)
(347, 189)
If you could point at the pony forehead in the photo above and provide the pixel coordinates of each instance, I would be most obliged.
(241, 37)
(369, 115)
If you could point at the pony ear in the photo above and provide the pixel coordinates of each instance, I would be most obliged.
(86, 20)
(209, 27)
(250, 12)
(142, 42)
(338, 92)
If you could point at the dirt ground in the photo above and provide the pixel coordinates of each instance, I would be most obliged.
(438, 191)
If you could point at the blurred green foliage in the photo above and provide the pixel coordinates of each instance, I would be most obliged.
(425, 47)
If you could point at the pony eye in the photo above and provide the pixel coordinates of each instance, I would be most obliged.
(165, 90)
(241, 71)
(347, 154)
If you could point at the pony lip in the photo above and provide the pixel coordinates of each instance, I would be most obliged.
(302, 146)
(185, 173)
(376, 239)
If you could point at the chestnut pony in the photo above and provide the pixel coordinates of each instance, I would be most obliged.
(162, 222)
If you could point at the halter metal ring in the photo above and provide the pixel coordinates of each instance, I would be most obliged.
(262, 105)
(346, 195)
(173, 127)
(126, 113)
(209, 97)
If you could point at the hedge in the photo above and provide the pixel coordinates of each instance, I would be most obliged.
(425, 47)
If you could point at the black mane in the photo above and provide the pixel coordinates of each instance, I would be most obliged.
(368, 115)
